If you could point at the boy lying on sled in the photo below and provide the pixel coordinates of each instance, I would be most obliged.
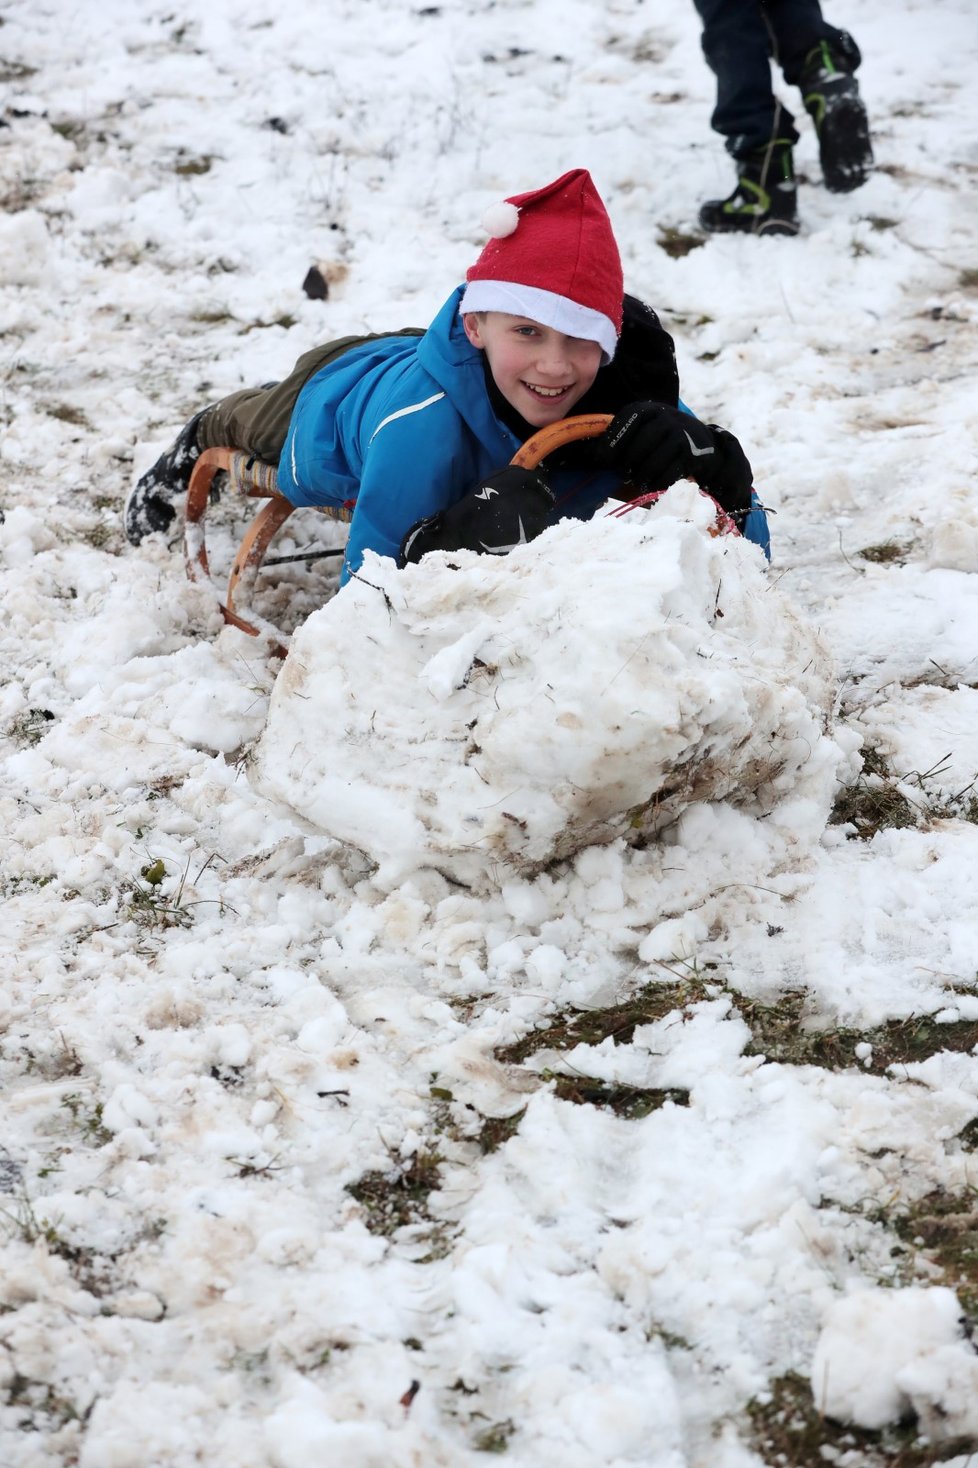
(414, 430)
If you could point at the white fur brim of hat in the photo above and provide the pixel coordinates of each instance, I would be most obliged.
(545, 307)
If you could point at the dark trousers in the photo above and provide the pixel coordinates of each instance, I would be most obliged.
(740, 37)
(256, 419)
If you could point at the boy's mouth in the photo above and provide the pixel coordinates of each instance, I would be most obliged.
(545, 392)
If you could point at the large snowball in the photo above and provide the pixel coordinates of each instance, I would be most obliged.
(480, 714)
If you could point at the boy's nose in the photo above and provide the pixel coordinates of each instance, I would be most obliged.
(553, 361)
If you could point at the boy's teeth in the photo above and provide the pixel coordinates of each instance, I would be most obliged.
(546, 392)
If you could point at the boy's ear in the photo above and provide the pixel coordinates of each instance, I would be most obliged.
(471, 323)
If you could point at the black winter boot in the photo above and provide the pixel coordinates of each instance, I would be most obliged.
(148, 506)
(831, 97)
(764, 201)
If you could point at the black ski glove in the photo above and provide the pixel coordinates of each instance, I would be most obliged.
(654, 445)
(506, 509)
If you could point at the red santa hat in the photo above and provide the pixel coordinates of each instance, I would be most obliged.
(553, 258)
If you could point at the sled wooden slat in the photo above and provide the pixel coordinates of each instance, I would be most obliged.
(251, 552)
(250, 478)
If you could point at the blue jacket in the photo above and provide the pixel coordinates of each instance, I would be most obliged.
(400, 428)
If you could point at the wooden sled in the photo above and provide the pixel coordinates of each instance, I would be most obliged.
(251, 478)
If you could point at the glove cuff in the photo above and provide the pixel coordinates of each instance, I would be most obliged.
(414, 544)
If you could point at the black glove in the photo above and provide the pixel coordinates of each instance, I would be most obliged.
(506, 509)
(654, 445)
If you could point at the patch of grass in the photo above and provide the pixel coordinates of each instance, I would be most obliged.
(54, 1062)
(968, 1136)
(9, 886)
(151, 908)
(22, 194)
(22, 1221)
(87, 1117)
(65, 413)
(187, 167)
(320, 1353)
(779, 1032)
(878, 799)
(489, 1132)
(90, 1269)
(15, 71)
(70, 128)
(669, 1338)
(629, 1102)
(398, 1197)
(959, 805)
(494, 1438)
(782, 1032)
(212, 316)
(38, 1407)
(286, 321)
(788, 1430)
(31, 726)
(616, 1021)
(497, 1130)
(886, 553)
(158, 789)
(98, 536)
(879, 222)
(252, 1363)
(94, 1270)
(874, 801)
(648, 52)
(944, 1228)
(677, 242)
(968, 279)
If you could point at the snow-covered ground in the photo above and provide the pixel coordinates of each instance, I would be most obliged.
(305, 1160)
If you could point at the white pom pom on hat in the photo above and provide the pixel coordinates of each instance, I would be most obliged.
(500, 219)
(552, 257)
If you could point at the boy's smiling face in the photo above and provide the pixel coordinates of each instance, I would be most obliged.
(540, 372)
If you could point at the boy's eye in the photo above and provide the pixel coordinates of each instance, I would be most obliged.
(526, 331)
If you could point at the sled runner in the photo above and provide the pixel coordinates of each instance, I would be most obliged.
(251, 478)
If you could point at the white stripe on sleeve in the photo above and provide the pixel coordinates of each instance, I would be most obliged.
(403, 412)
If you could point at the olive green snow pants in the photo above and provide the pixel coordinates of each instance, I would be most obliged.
(256, 419)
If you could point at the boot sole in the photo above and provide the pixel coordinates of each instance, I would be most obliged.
(844, 147)
(767, 227)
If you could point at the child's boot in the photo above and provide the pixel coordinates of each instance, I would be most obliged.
(765, 199)
(831, 96)
(148, 506)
